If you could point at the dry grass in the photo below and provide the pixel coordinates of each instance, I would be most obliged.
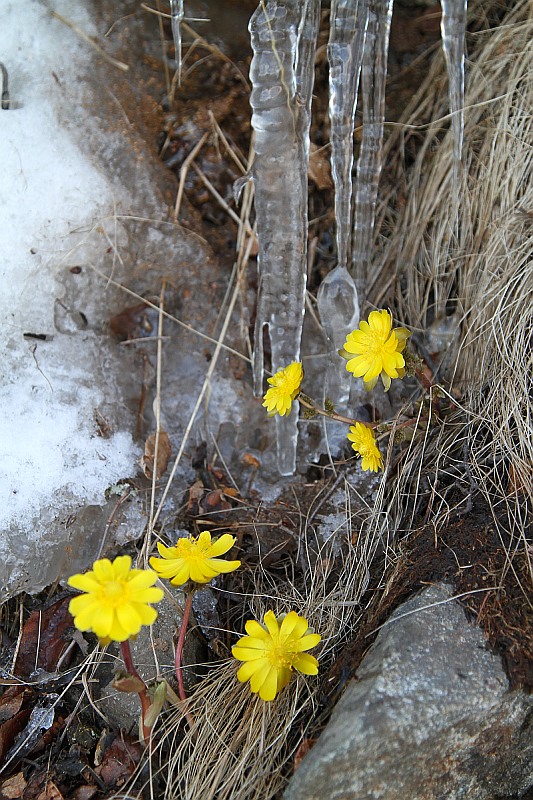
(455, 249)
(466, 251)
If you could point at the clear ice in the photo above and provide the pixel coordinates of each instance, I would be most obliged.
(453, 28)
(373, 80)
(338, 303)
(176, 16)
(283, 36)
(283, 41)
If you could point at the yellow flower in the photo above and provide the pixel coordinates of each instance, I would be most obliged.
(285, 386)
(116, 601)
(364, 444)
(272, 651)
(378, 350)
(194, 558)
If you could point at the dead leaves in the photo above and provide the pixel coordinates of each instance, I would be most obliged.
(45, 638)
(164, 449)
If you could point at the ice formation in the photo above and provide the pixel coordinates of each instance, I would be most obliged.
(338, 303)
(176, 16)
(374, 78)
(453, 27)
(283, 38)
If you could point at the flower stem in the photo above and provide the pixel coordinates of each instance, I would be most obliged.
(178, 658)
(181, 642)
(308, 403)
(143, 694)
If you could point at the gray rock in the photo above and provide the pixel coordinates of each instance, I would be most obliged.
(429, 717)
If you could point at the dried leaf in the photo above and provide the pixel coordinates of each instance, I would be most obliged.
(248, 460)
(14, 717)
(164, 449)
(50, 792)
(136, 322)
(319, 167)
(49, 630)
(12, 788)
(519, 480)
(84, 792)
(127, 683)
(302, 751)
(119, 761)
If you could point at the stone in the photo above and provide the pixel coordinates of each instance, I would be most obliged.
(428, 717)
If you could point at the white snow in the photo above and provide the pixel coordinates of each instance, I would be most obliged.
(51, 454)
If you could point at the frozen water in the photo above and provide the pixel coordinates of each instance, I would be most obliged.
(176, 17)
(338, 302)
(68, 202)
(338, 307)
(283, 39)
(453, 26)
(348, 23)
(52, 458)
(374, 77)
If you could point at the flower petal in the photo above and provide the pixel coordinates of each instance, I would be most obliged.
(246, 671)
(293, 625)
(182, 576)
(358, 366)
(103, 570)
(254, 628)
(269, 686)
(103, 621)
(223, 544)
(85, 583)
(307, 642)
(141, 579)
(151, 595)
(271, 623)
(247, 653)
(121, 566)
(259, 676)
(306, 664)
(147, 614)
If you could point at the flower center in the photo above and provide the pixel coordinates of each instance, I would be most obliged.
(115, 592)
(376, 340)
(192, 550)
(365, 450)
(279, 656)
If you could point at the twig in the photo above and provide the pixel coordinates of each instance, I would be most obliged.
(184, 170)
(89, 39)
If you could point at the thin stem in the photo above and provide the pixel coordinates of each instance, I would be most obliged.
(308, 403)
(178, 658)
(181, 642)
(143, 694)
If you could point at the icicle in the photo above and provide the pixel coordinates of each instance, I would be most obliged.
(453, 28)
(283, 38)
(374, 78)
(176, 16)
(348, 23)
(338, 306)
(337, 297)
